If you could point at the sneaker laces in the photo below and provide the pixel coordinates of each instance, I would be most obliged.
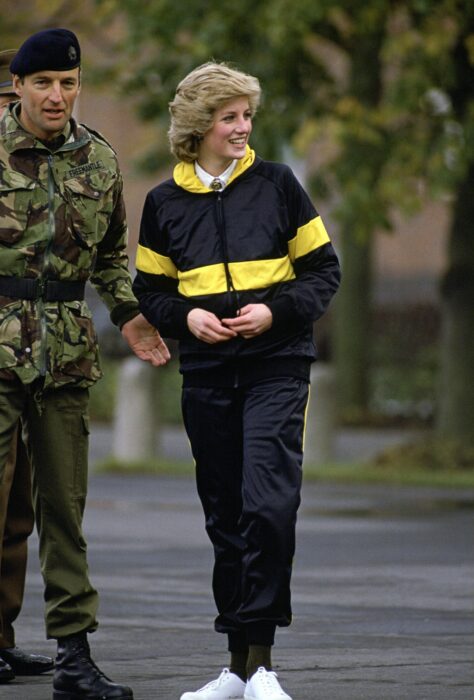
(268, 679)
(212, 685)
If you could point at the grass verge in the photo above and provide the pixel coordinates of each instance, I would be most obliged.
(347, 473)
(369, 473)
(158, 467)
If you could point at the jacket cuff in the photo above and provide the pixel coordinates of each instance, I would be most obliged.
(124, 312)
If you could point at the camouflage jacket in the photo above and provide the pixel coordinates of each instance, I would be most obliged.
(62, 217)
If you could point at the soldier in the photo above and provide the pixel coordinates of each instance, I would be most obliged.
(16, 513)
(62, 222)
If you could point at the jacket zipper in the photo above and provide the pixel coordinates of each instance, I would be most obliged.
(46, 261)
(230, 282)
(223, 237)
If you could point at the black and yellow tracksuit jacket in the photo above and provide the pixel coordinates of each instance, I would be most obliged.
(260, 240)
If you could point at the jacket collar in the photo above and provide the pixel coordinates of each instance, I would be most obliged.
(185, 176)
(15, 137)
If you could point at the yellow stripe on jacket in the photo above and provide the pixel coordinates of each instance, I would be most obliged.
(308, 237)
(154, 263)
(211, 279)
(246, 275)
(255, 274)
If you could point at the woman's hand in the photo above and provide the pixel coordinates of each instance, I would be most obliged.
(207, 327)
(252, 320)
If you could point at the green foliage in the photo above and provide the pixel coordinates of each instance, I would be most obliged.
(149, 466)
(163, 43)
(170, 393)
(379, 80)
(399, 472)
(430, 92)
(20, 18)
(404, 392)
(103, 394)
(429, 455)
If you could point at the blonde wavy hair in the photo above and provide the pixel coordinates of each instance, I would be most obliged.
(198, 96)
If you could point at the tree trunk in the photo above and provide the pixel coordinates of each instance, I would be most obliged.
(455, 418)
(353, 342)
(352, 328)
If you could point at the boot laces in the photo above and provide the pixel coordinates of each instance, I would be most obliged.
(84, 654)
(98, 673)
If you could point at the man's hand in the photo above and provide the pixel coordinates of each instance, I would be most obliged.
(145, 341)
(207, 327)
(252, 320)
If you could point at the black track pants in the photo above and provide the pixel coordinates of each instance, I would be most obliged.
(248, 447)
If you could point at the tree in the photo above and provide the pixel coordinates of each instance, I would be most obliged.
(21, 18)
(433, 91)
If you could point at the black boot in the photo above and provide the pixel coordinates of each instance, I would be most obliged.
(23, 664)
(6, 672)
(78, 678)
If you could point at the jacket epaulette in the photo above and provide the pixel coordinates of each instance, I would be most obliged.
(99, 137)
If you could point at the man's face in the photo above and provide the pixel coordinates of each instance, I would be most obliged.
(47, 100)
(4, 100)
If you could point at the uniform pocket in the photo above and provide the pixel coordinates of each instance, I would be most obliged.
(11, 340)
(89, 206)
(16, 206)
(78, 354)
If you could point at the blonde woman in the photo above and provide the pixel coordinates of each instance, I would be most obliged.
(235, 263)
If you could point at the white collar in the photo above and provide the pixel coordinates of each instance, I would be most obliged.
(211, 181)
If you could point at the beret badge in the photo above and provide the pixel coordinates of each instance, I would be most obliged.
(50, 49)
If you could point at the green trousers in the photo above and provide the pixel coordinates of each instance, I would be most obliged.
(16, 525)
(55, 430)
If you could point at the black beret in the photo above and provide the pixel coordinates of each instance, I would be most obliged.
(50, 49)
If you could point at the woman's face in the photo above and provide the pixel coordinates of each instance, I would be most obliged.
(227, 138)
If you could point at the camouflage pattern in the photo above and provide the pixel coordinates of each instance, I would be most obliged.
(61, 217)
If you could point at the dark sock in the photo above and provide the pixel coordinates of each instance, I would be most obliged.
(258, 656)
(238, 664)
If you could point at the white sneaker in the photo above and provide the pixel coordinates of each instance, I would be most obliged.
(227, 687)
(264, 685)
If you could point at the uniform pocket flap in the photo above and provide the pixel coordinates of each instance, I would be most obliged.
(11, 180)
(93, 186)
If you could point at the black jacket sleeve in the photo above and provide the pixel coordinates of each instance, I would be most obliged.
(317, 272)
(156, 291)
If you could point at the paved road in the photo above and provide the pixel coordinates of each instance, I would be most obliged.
(383, 594)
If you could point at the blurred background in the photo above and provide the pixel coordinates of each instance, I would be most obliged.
(372, 104)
